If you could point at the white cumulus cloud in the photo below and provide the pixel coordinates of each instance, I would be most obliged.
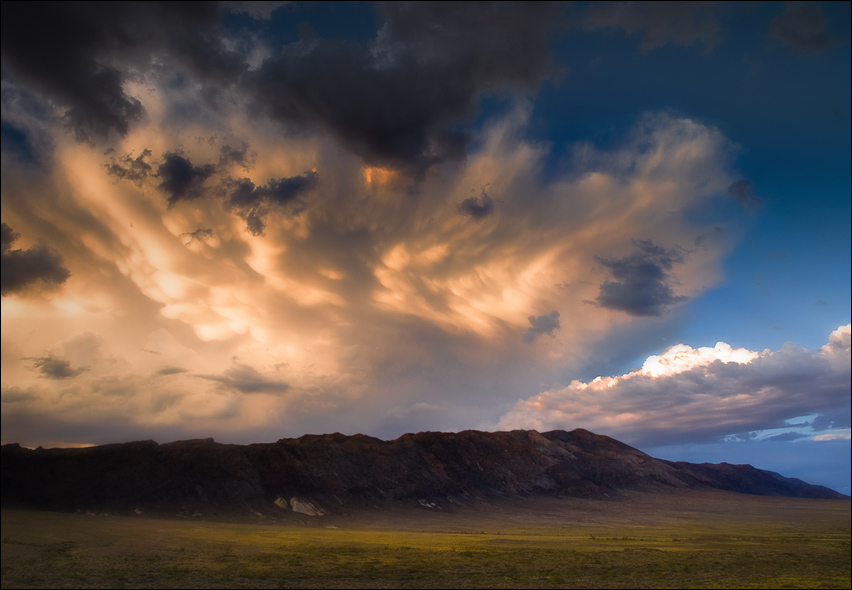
(700, 395)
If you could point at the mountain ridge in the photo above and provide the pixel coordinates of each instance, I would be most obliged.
(333, 473)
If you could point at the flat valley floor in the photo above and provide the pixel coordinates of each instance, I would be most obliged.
(682, 540)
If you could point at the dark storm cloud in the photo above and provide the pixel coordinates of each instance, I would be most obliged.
(252, 202)
(803, 27)
(171, 371)
(200, 234)
(180, 180)
(540, 325)
(15, 395)
(21, 269)
(255, 220)
(78, 54)
(477, 207)
(129, 168)
(241, 156)
(659, 23)
(277, 191)
(641, 286)
(741, 190)
(16, 142)
(53, 367)
(26, 136)
(398, 101)
(246, 379)
(53, 48)
(836, 419)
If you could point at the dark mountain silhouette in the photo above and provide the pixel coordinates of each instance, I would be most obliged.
(334, 473)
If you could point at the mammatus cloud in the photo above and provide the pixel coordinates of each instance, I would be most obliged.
(378, 288)
(803, 27)
(370, 226)
(642, 283)
(702, 395)
(392, 310)
(23, 269)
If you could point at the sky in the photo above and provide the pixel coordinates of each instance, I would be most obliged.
(254, 221)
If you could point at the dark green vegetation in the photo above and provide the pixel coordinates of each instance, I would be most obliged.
(688, 539)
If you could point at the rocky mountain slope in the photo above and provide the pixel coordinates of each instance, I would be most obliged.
(334, 473)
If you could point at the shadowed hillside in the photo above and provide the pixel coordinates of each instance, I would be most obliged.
(330, 473)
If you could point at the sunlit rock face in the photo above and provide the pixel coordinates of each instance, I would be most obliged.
(321, 474)
(303, 506)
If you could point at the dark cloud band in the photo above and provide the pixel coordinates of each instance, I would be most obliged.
(22, 269)
(53, 367)
(641, 285)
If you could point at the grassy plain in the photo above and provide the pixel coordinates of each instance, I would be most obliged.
(688, 540)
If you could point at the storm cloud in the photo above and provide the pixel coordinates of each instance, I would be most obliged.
(16, 143)
(395, 216)
(399, 100)
(252, 202)
(23, 269)
(642, 283)
(542, 325)
(742, 192)
(53, 367)
(200, 234)
(803, 27)
(92, 47)
(477, 207)
(246, 379)
(136, 169)
(180, 180)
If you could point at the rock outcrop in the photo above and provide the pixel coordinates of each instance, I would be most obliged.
(320, 474)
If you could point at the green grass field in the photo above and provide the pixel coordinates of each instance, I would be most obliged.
(684, 541)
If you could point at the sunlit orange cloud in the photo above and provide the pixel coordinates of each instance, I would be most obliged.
(374, 303)
(835, 436)
(511, 265)
(378, 178)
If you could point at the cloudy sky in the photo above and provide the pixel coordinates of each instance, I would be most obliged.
(259, 220)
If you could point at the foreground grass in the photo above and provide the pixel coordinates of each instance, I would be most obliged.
(791, 544)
